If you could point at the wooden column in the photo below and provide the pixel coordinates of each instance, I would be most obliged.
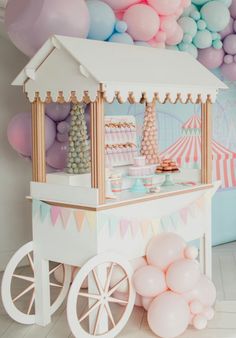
(206, 135)
(98, 147)
(38, 141)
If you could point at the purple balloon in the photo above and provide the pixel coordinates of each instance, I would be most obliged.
(57, 111)
(63, 127)
(57, 155)
(228, 29)
(228, 59)
(30, 23)
(62, 137)
(232, 9)
(210, 57)
(88, 117)
(229, 44)
(20, 135)
(229, 71)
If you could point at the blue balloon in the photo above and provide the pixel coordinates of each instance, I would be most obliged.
(201, 25)
(121, 27)
(121, 38)
(216, 15)
(200, 2)
(188, 25)
(202, 39)
(191, 49)
(102, 20)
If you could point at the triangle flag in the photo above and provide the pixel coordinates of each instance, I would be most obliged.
(55, 212)
(91, 218)
(113, 224)
(155, 226)
(79, 217)
(184, 215)
(104, 222)
(144, 227)
(35, 207)
(124, 226)
(44, 211)
(65, 215)
(200, 202)
(134, 225)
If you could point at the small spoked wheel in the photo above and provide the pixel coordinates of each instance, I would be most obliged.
(18, 285)
(104, 309)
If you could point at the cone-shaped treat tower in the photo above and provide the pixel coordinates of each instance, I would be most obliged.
(149, 147)
(79, 161)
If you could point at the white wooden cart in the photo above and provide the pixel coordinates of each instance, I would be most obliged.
(71, 69)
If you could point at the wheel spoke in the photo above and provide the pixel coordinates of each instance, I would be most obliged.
(116, 300)
(108, 309)
(97, 281)
(115, 287)
(56, 285)
(55, 268)
(23, 292)
(26, 278)
(90, 310)
(31, 303)
(89, 295)
(109, 278)
(31, 261)
(98, 319)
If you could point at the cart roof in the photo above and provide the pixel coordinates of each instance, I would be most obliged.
(66, 64)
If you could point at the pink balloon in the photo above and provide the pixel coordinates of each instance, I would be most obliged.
(164, 249)
(121, 4)
(57, 155)
(160, 36)
(58, 111)
(195, 307)
(176, 37)
(138, 300)
(149, 281)
(191, 252)
(30, 23)
(143, 22)
(229, 44)
(185, 3)
(209, 313)
(168, 315)
(165, 7)
(20, 135)
(146, 302)
(204, 292)
(199, 322)
(228, 29)
(168, 25)
(183, 275)
(232, 9)
(138, 263)
(211, 57)
(229, 71)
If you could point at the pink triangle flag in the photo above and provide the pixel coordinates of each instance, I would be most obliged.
(65, 215)
(55, 212)
(79, 217)
(91, 218)
(134, 225)
(201, 202)
(124, 226)
(144, 227)
(184, 215)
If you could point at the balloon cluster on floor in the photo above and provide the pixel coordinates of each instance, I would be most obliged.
(171, 287)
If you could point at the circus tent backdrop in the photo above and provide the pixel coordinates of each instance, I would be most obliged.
(187, 152)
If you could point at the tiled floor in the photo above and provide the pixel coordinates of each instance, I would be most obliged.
(222, 326)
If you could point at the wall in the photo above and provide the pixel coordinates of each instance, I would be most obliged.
(15, 173)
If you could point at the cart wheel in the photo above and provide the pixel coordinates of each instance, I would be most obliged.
(103, 299)
(18, 287)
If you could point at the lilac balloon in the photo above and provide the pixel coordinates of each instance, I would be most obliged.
(229, 71)
(57, 155)
(230, 44)
(30, 23)
(62, 137)
(20, 135)
(234, 26)
(228, 59)
(87, 117)
(63, 127)
(232, 9)
(210, 57)
(228, 29)
(57, 111)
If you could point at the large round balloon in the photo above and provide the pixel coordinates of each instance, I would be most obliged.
(233, 9)
(168, 315)
(102, 20)
(216, 15)
(143, 22)
(165, 7)
(57, 155)
(121, 4)
(176, 37)
(229, 44)
(19, 133)
(228, 29)
(211, 57)
(229, 71)
(203, 39)
(30, 23)
(57, 111)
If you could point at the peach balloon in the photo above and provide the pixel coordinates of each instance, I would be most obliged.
(168, 315)
(191, 252)
(168, 25)
(183, 275)
(146, 302)
(200, 322)
(165, 249)
(176, 37)
(165, 7)
(209, 313)
(138, 263)
(204, 292)
(196, 307)
(121, 4)
(149, 281)
(160, 36)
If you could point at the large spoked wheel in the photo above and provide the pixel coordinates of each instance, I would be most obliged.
(18, 286)
(87, 311)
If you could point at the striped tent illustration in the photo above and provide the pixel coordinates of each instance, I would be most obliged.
(186, 151)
